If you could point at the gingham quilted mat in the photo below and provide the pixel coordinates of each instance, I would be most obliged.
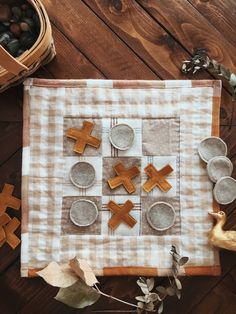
(169, 119)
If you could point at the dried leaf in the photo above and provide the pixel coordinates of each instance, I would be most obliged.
(56, 275)
(141, 298)
(178, 294)
(141, 283)
(83, 270)
(170, 291)
(145, 290)
(161, 289)
(224, 72)
(149, 307)
(140, 305)
(183, 260)
(150, 283)
(232, 80)
(178, 284)
(160, 308)
(78, 296)
(152, 297)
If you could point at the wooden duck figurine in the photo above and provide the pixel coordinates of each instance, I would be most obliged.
(219, 237)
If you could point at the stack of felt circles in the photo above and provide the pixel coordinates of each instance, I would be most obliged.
(213, 151)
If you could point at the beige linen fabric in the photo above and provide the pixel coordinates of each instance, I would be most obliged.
(50, 106)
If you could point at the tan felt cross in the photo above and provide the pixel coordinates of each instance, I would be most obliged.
(157, 178)
(7, 200)
(83, 137)
(121, 214)
(9, 229)
(4, 219)
(124, 177)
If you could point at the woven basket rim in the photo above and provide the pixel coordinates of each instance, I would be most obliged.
(44, 23)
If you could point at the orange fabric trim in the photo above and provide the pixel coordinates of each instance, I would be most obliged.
(203, 271)
(33, 272)
(130, 271)
(215, 131)
(151, 271)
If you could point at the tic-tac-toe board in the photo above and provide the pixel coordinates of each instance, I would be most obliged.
(169, 119)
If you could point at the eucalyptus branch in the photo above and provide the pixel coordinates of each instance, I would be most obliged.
(201, 60)
(152, 300)
(114, 298)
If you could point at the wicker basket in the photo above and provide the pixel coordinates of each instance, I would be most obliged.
(14, 70)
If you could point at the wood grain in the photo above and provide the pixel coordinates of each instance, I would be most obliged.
(62, 66)
(10, 139)
(217, 13)
(191, 30)
(152, 43)
(98, 43)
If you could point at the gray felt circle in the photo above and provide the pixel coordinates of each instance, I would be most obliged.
(82, 174)
(219, 167)
(121, 136)
(225, 190)
(83, 212)
(212, 147)
(161, 216)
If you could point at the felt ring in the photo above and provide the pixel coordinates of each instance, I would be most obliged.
(82, 174)
(212, 147)
(161, 216)
(219, 167)
(83, 213)
(225, 190)
(121, 136)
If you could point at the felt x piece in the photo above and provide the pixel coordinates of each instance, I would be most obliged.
(7, 225)
(83, 137)
(124, 177)
(157, 178)
(121, 214)
(10, 236)
(7, 200)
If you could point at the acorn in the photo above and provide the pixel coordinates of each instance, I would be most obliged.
(24, 27)
(15, 29)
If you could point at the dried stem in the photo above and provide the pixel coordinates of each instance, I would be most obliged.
(201, 60)
(114, 298)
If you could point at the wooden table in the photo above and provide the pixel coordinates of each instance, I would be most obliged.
(125, 39)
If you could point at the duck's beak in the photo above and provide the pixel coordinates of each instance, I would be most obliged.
(213, 214)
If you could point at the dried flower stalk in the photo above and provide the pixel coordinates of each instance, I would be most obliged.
(201, 60)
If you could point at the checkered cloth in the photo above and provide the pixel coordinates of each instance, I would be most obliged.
(169, 118)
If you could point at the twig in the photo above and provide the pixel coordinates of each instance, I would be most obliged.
(201, 60)
(114, 298)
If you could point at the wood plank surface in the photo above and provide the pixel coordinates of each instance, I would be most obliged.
(217, 13)
(100, 45)
(124, 39)
(193, 31)
(152, 43)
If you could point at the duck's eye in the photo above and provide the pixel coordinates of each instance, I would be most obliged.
(221, 213)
